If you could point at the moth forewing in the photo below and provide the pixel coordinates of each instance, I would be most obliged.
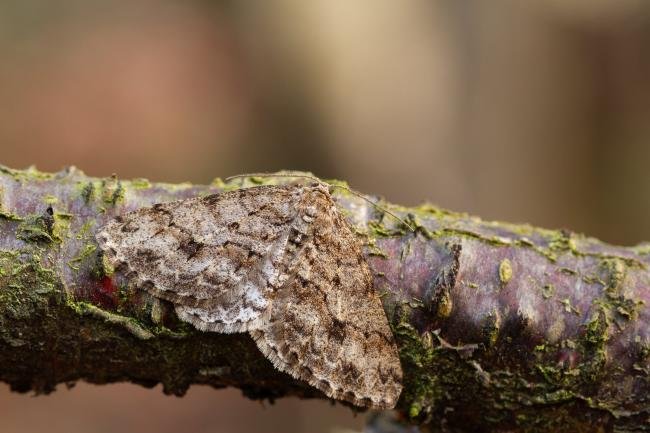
(280, 262)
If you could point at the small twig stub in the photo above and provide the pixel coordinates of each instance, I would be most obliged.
(279, 262)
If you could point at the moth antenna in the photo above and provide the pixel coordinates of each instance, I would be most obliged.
(314, 178)
(362, 197)
(303, 176)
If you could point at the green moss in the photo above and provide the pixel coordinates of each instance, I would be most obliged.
(433, 376)
(616, 272)
(505, 271)
(5, 214)
(568, 271)
(430, 209)
(112, 191)
(562, 242)
(128, 323)
(61, 227)
(374, 250)
(445, 305)
(642, 249)
(596, 330)
(9, 216)
(219, 183)
(525, 242)
(85, 230)
(555, 243)
(548, 290)
(618, 304)
(30, 174)
(46, 228)
(8, 260)
(421, 388)
(140, 183)
(50, 199)
(107, 268)
(491, 328)
(568, 307)
(36, 228)
(224, 186)
(87, 191)
(85, 252)
(344, 187)
(29, 285)
(418, 227)
(594, 344)
(431, 371)
(377, 229)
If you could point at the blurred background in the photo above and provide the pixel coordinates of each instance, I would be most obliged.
(521, 111)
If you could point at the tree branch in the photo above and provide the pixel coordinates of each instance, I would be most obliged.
(501, 327)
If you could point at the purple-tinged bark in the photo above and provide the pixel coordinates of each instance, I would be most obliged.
(501, 327)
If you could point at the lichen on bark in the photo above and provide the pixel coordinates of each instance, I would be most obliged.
(501, 327)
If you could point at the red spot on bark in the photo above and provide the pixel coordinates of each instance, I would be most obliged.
(106, 293)
(108, 287)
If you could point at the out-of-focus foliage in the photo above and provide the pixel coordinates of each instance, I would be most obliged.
(522, 111)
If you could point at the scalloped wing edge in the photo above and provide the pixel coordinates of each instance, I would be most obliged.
(147, 285)
(271, 353)
(223, 327)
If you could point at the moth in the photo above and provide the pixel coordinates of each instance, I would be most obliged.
(279, 262)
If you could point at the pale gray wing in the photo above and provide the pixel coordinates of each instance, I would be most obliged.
(327, 325)
(217, 258)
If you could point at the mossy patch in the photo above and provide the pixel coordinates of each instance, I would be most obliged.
(421, 386)
(505, 271)
(30, 174)
(29, 283)
(48, 227)
(9, 216)
(128, 323)
(112, 191)
(491, 328)
(87, 191)
(86, 251)
(50, 199)
(548, 290)
(36, 229)
(140, 183)
(61, 227)
(84, 232)
(4, 213)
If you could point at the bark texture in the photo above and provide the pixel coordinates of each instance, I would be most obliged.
(500, 327)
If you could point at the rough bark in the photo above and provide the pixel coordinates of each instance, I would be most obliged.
(501, 327)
